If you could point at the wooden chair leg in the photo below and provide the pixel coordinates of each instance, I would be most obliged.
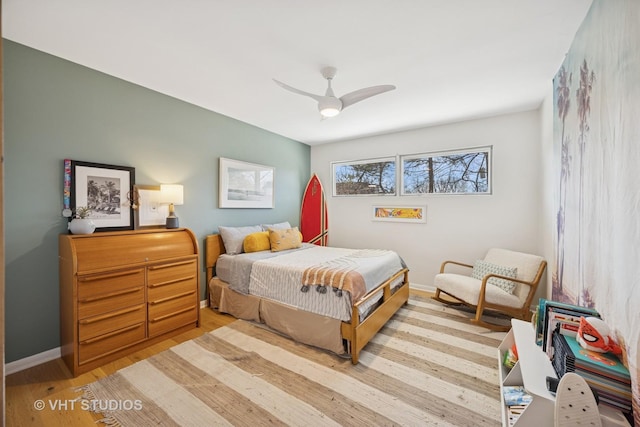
(493, 326)
(438, 298)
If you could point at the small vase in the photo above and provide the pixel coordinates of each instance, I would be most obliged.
(81, 226)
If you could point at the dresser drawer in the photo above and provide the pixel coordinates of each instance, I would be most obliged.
(172, 304)
(91, 327)
(160, 324)
(99, 293)
(160, 274)
(163, 291)
(103, 345)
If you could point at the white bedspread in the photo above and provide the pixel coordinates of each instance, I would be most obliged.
(280, 278)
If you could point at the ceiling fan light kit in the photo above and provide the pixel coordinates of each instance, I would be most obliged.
(329, 105)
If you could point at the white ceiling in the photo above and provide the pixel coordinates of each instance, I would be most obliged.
(451, 60)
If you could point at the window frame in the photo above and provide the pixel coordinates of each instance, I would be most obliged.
(443, 153)
(387, 159)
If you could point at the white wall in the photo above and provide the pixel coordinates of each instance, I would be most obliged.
(458, 227)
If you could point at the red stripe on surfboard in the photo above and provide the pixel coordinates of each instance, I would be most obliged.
(313, 214)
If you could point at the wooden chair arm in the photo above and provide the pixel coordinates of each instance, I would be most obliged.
(512, 279)
(454, 262)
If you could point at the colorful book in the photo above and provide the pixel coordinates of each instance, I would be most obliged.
(546, 306)
(604, 372)
(516, 395)
(566, 321)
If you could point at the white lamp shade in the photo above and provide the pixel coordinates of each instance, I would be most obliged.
(171, 193)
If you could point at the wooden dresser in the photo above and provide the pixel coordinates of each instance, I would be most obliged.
(122, 291)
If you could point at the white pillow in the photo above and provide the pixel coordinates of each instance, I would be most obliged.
(278, 226)
(233, 237)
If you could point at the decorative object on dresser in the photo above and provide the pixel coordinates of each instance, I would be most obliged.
(122, 291)
(81, 223)
(172, 194)
(149, 212)
(105, 189)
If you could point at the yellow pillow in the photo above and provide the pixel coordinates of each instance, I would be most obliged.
(289, 238)
(256, 242)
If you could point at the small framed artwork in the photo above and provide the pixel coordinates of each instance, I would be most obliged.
(413, 213)
(148, 211)
(245, 185)
(106, 190)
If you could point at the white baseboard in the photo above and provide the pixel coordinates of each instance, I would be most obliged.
(31, 361)
(420, 287)
(45, 356)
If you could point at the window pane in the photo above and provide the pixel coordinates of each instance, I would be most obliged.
(365, 177)
(457, 172)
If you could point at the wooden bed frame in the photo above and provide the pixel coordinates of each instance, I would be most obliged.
(357, 333)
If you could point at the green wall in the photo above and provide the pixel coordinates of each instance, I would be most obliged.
(55, 109)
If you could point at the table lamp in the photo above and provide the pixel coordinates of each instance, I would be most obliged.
(173, 195)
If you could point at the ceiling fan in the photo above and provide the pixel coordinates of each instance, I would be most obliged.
(329, 105)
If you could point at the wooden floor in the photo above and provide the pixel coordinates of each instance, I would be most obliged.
(51, 383)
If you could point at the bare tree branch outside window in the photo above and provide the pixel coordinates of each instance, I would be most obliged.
(450, 172)
(365, 177)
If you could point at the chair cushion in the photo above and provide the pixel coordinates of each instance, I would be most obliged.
(468, 290)
(482, 268)
(527, 265)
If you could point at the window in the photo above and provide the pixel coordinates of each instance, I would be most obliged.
(460, 172)
(364, 177)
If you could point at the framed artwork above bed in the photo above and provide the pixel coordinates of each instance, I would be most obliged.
(245, 185)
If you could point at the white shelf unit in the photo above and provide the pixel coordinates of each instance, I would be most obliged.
(531, 371)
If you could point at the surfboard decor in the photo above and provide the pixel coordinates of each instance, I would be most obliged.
(314, 224)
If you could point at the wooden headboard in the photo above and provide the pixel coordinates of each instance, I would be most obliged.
(214, 247)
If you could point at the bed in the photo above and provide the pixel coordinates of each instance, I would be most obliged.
(345, 328)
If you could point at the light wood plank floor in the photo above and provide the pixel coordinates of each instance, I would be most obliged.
(52, 384)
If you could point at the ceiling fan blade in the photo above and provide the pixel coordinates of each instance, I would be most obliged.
(360, 94)
(298, 91)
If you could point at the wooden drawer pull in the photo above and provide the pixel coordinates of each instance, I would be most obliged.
(169, 282)
(172, 297)
(108, 276)
(109, 315)
(110, 334)
(110, 295)
(173, 264)
(166, 316)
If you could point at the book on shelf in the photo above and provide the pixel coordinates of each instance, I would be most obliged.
(550, 313)
(604, 372)
(516, 395)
